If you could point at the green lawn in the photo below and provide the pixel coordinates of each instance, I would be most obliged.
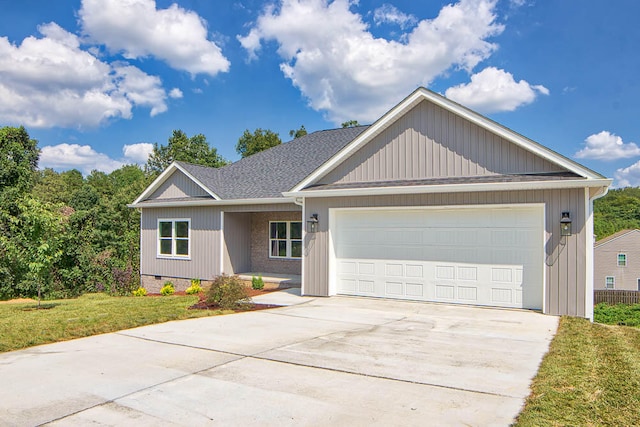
(21, 325)
(590, 377)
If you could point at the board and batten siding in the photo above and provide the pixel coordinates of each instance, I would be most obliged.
(606, 262)
(178, 185)
(564, 268)
(431, 142)
(237, 242)
(204, 262)
(205, 239)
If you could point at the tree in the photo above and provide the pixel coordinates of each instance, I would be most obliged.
(180, 147)
(298, 133)
(260, 140)
(18, 161)
(350, 124)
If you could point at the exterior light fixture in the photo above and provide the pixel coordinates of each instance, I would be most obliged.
(565, 224)
(312, 223)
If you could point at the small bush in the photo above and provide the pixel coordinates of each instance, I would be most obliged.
(140, 292)
(257, 282)
(167, 289)
(195, 287)
(228, 293)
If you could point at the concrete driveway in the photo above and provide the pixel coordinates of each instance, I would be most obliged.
(326, 361)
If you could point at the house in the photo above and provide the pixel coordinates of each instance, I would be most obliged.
(432, 202)
(617, 261)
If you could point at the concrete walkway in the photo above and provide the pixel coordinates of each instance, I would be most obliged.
(326, 361)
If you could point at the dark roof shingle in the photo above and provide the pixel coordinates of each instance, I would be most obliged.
(268, 173)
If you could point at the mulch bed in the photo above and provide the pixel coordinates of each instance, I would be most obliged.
(203, 305)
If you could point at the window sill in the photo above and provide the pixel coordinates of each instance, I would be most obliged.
(285, 258)
(182, 258)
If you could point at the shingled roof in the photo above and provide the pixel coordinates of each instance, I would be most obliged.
(269, 173)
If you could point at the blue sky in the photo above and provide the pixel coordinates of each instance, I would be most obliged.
(97, 81)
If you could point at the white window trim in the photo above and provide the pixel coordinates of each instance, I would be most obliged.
(288, 240)
(613, 282)
(626, 259)
(173, 239)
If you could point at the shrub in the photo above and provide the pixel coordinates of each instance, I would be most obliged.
(257, 282)
(228, 293)
(195, 287)
(140, 292)
(167, 289)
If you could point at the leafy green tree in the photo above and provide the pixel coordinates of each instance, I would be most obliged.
(260, 140)
(38, 229)
(298, 133)
(18, 161)
(350, 124)
(180, 147)
(618, 210)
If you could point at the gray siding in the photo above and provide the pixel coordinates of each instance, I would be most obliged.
(606, 262)
(205, 240)
(205, 243)
(564, 257)
(237, 242)
(430, 142)
(176, 186)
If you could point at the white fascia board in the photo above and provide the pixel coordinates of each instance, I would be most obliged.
(366, 136)
(163, 177)
(451, 188)
(212, 202)
(423, 94)
(155, 184)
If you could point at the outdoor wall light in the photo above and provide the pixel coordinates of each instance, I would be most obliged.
(312, 223)
(565, 224)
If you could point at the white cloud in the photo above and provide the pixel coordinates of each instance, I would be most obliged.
(85, 158)
(341, 68)
(138, 29)
(75, 156)
(51, 81)
(137, 153)
(389, 14)
(607, 146)
(492, 90)
(628, 177)
(175, 93)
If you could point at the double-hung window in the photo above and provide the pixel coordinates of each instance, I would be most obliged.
(285, 239)
(174, 238)
(610, 282)
(622, 260)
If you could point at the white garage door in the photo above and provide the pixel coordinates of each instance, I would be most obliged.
(482, 256)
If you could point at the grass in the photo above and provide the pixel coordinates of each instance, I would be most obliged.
(590, 377)
(621, 314)
(22, 325)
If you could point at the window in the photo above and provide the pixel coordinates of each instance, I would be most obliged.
(609, 282)
(639, 284)
(285, 239)
(622, 260)
(173, 238)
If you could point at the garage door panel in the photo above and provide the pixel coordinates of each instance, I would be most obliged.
(474, 256)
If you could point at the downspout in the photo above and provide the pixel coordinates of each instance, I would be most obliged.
(590, 254)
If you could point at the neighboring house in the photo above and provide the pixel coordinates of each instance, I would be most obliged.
(432, 202)
(617, 261)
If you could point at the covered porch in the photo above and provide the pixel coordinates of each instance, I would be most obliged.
(263, 243)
